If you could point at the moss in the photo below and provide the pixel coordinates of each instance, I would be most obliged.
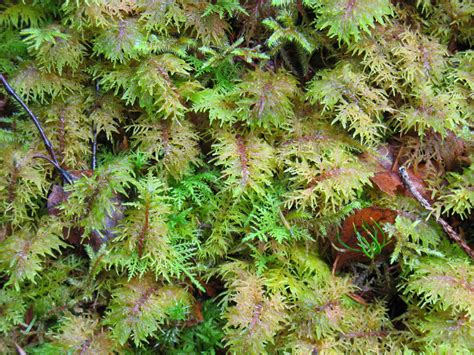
(212, 150)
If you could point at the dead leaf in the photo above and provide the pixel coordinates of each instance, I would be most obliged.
(56, 197)
(388, 182)
(358, 225)
(386, 176)
(110, 222)
(74, 235)
(196, 315)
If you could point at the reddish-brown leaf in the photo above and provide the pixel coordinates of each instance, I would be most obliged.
(367, 217)
(387, 178)
(388, 182)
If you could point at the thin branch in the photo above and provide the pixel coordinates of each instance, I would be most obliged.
(446, 227)
(49, 147)
(55, 164)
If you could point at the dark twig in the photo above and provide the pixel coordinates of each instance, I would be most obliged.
(446, 227)
(49, 147)
(61, 170)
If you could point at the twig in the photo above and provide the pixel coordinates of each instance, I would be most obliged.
(446, 227)
(49, 147)
(55, 164)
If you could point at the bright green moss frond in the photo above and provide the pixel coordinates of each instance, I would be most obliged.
(269, 97)
(155, 84)
(35, 85)
(443, 285)
(80, 334)
(23, 253)
(454, 330)
(96, 199)
(255, 318)
(349, 100)
(11, 48)
(13, 309)
(348, 19)
(247, 161)
(220, 104)
(162, 15)
(121, 42)
(324, 174)
(458, 196)
(145, 242)
(22, 182)
(22, 14)
(140, 307)
(173, 144)
(430, 111)
(413, 240)
(285, 30)
(54, 48)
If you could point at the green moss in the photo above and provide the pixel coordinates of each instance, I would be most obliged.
(233, 139)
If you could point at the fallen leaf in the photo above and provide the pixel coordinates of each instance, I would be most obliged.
(56, 197)
(388, 182)
(386, 176)
(347, 244)
(110, 222)
(74, 235)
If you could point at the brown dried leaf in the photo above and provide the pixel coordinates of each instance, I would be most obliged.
(388, 182)
(367, 217)
(387, 178)
(56, 197)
